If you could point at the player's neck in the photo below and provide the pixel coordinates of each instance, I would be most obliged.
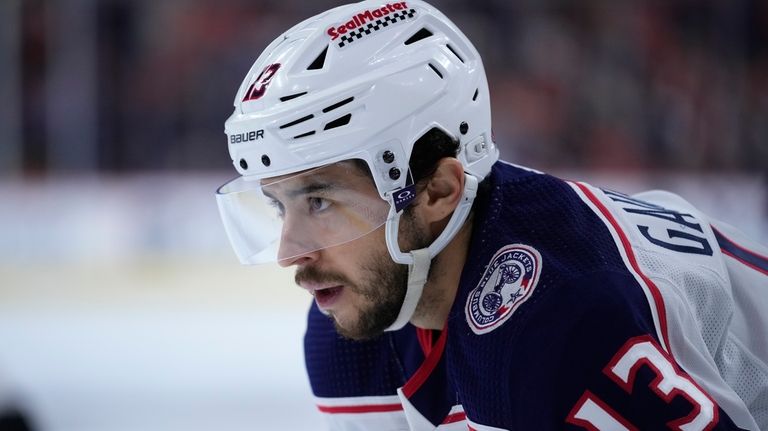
(443, 282)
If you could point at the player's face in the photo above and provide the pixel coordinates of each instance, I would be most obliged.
(357, 283)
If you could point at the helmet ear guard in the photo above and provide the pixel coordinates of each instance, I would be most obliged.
(455, 223)
(419, 261)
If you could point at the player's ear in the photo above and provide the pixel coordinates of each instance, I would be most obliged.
(442, 193)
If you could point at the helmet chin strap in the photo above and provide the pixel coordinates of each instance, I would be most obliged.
(419, 261)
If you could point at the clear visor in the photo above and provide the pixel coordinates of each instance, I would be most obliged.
(281, 218)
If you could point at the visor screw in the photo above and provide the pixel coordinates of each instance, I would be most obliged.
(388, 157)
(463, 127)
(394, 173)
(265, 160)
(243, 164)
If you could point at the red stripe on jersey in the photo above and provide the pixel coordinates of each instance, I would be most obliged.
(750, 258)
(744, 262)
(420, 376)
(455, 417)
(372, 408)
(657, 298)
(424, 336)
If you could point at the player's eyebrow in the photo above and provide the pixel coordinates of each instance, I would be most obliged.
(313, 187)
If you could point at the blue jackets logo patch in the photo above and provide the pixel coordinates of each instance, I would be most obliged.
(507, 283)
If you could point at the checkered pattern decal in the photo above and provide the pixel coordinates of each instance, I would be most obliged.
(374, 26)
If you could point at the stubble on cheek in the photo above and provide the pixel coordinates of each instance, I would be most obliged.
(378, 293)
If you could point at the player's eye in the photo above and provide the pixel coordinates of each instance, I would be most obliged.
(278, 206)
(318, 204)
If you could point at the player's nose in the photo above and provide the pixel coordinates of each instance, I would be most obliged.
(287, 259)
(296, 248)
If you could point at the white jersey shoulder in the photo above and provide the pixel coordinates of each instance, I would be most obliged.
(710, 308)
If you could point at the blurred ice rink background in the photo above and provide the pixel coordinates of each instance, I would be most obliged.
(122, 306)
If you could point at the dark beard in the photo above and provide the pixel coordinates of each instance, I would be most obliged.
(384, 289)
(384, 286)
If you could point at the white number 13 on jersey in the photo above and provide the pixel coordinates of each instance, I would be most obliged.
(592, 413)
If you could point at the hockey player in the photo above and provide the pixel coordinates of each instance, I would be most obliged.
(472, 293)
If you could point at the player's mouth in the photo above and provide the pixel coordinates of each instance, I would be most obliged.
(325, 298)
(325, 295)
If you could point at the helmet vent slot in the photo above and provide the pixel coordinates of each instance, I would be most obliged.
(419, 35)
(291, 96)
(295, 122)
(341, 121)
(318, 62)
(311, 132)
(455, 53)
(436, 70)
(337, 105)
(477, 91)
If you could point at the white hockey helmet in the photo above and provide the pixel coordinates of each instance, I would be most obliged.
(362, 81)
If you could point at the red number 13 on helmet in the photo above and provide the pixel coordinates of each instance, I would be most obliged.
(259, 87)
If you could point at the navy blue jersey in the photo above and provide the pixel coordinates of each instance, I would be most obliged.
(578, 308)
